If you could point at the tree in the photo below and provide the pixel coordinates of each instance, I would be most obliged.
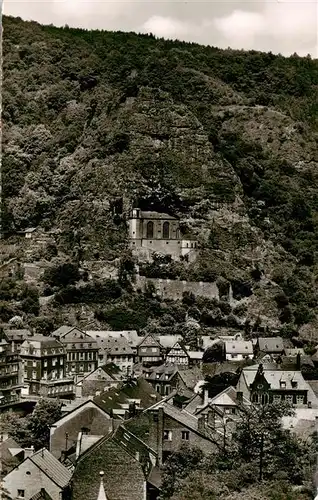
(34, 429)
(260, 438)
(214, 353)
(177, 467)
(45, 413)
(62, 274)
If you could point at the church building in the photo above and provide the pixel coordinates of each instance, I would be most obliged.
(155, 232)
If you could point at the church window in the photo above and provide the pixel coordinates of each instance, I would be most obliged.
(255, 398)
(150, 230)
(166, 230)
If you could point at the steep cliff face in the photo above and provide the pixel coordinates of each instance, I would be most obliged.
(225, 140)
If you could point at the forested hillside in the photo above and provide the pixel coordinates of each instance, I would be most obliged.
(95, 119)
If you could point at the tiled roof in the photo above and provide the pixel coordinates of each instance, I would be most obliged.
(239, 347)
(271, 344)
(294, 351)
(130, 335)
(191, 376)
(138, 389)
(275, 377)
(156, 215)
(162, 370)
(116, 346)
(17, 334)
(182, 416)
(41, 495)
(56, 471)
(195, 354)
(194, 403)
(62, 330)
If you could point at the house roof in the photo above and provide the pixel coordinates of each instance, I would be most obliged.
(191, 376)
(168, 341)
(48, 464)
(18, 334)
(149, 340)
(228, 397)
(276, 376)
(117, 346)
(62, 330)
(294, 351)
(42, 342)
(195, 354)
(162, 370)
(130, 335)
(271, 344)
(120, 468)
(41, 495)
(112, 370)
(239, 347)
(9, 448)
(119, 398)
(81, 405)
(155, 215)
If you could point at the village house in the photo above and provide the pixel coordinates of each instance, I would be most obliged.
(119, 352)
(273, 346)
(43, 361)
(129, 398)
(165, 428)
(16, 337)
(178, 355)
(38, 470)
(126, 463)
(226, 402)
(10, 374)
(11, 454)
(238, 350)
(103, 378)
(102, 337)
(88, 419)
(268, 383)
(164, 379)
(154, 232)
(81, 350)
(149, 350)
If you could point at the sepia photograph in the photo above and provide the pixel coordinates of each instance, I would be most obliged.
(159, 250)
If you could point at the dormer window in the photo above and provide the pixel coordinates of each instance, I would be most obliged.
(294, 384)
(282, 384)
(157, 375)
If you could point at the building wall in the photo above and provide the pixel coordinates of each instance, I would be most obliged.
(18, 479)
(173, 289)
(123, 479)
(88, 416)
(238, 357)
(157, 427)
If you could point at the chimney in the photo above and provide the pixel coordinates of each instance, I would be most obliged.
(298, 361)
(239, 396)
(160, 434)
(205, 396)
(211, 418)
(28, 452)
(201, 424)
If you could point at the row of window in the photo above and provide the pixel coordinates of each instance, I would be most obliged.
(81, 356)
(167, 435)
(289, 398)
